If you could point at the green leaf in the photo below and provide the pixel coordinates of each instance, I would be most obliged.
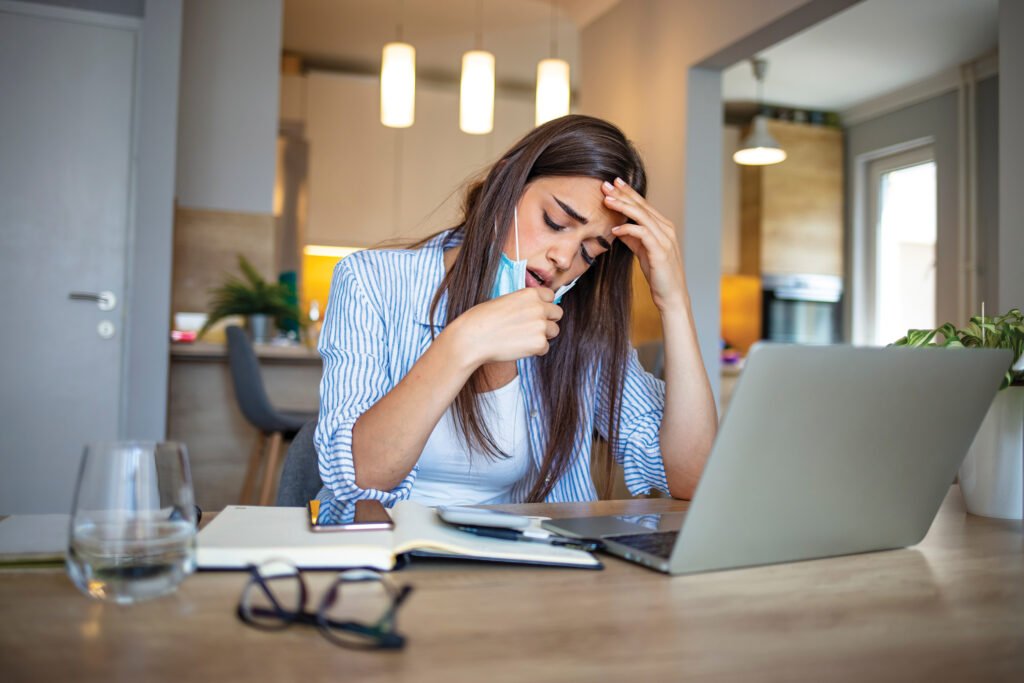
(920, 337)
(996, 332)
(248, 295)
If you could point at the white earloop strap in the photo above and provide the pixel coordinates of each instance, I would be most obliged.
(515, 216)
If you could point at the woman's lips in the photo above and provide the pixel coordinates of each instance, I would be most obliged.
(533, 280)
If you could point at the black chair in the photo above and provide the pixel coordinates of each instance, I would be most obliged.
(652, 357)
(276, 424)
(300, 476)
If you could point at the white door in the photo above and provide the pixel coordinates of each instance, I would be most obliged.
(66, 120)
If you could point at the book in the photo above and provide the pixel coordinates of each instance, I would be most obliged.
(243, 535)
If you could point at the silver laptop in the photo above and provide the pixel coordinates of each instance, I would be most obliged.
(825, 451)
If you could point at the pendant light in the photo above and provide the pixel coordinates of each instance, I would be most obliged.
(552, 80)
(759, 148)
(476, 91)
(398, 82)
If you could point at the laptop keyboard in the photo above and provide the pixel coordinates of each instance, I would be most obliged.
(659, 543)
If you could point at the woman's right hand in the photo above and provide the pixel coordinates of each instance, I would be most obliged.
(508, 328)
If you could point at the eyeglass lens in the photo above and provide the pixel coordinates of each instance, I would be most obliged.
(274, 596)
(359, 611)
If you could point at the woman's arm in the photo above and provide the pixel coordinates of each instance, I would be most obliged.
(390, 430)
(690, 421)
(388, 439)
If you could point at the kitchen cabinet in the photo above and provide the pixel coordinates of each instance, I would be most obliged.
(369, 183)
(791, 214)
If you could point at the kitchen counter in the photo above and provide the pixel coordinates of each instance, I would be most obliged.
(204, 415)
(265, 352)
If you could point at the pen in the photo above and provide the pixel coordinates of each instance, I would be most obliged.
(587, 544)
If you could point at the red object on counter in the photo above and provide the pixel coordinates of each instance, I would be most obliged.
(183, 336)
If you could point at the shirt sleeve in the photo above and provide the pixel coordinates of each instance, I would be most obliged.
(354, 348)
(638, 447)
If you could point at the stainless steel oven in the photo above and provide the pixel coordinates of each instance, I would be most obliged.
(802, 309)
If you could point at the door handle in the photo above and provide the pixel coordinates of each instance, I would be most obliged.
(105, 300)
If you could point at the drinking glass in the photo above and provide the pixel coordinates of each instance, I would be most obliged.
(133, 521)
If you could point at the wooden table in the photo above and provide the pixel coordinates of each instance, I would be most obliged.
(951, 608)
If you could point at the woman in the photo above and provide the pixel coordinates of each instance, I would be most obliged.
(464, 371)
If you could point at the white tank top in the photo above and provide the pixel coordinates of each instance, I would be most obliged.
(451, 475)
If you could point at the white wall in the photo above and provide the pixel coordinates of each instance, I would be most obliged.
(227, 129)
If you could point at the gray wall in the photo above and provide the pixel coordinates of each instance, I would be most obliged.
(1011, 158)
(937, 118)
(148, 294)
(987, 117)
(131, 8)
(227, 129)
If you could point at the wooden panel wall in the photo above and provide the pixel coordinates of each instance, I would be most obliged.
(792, 212)
(206, 248)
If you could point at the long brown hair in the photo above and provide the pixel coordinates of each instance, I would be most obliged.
(594, 330)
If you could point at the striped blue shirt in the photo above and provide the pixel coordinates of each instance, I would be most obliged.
(377, 326)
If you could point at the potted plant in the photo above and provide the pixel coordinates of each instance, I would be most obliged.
(253, 297)
(992, 473)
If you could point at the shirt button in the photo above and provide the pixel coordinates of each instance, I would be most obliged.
(533, 414)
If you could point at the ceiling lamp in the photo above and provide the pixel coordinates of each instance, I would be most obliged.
(759, 148)
(476, 92)
(398, 85)
(398, 79)
(552, 80)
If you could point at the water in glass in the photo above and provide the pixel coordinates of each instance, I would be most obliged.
(132, 533)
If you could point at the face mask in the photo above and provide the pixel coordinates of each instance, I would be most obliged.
(512, 274)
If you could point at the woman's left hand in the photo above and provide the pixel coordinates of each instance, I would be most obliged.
(652, 237)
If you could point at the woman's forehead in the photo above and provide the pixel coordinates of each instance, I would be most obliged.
(577, 195)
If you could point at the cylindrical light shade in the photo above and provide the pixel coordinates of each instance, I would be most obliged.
(476, 95)
(552, 89)
(398, 85)
(759, 148)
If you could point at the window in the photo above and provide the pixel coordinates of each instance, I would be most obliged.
(897, 270)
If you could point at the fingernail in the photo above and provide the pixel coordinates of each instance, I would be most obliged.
(620, 181)
(608, 186)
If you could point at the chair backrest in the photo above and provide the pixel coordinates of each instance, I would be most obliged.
(248, 383)
(652, 357)
(300, 476)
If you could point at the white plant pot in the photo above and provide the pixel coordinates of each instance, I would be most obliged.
(992, 474)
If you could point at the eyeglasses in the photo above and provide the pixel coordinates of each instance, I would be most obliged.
(275, 598)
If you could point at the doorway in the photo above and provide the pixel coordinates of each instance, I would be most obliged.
(84, 234)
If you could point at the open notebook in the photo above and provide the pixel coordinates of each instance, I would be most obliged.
(244, 535)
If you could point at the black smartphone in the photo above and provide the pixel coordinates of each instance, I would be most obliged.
(371, 515)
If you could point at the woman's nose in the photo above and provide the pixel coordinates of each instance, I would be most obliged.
(562, 253)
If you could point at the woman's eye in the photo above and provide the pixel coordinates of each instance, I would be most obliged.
(587, 258)
(551, 224)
